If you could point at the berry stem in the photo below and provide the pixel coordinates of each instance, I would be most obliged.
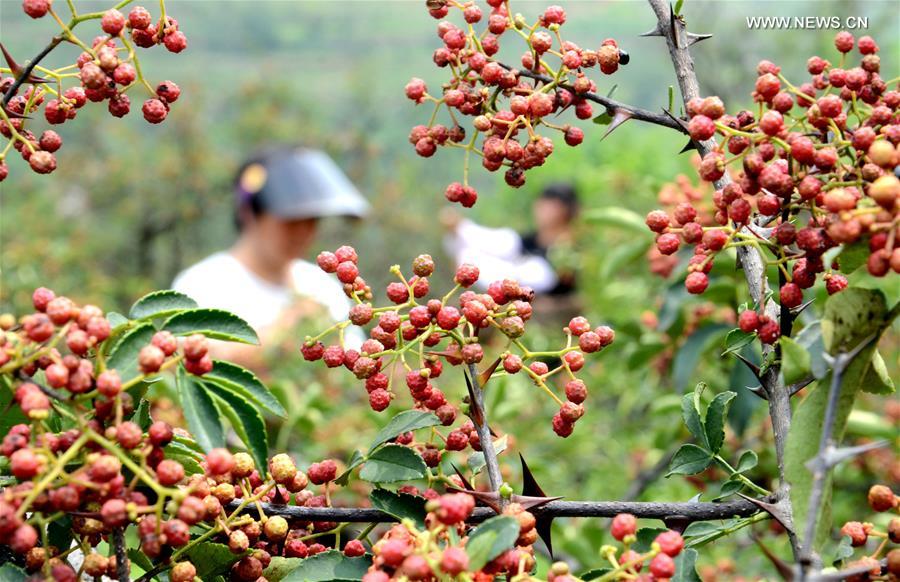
(57, 468)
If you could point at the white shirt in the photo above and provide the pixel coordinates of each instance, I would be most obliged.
(221, 281)
(498, 254)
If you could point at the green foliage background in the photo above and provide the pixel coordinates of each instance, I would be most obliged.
(132, 204)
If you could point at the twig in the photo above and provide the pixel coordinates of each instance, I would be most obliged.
(819, 464)
(122, 569)
(611, 104)
(700, 511)
(479, 417)
(750, 259)
(28, 68)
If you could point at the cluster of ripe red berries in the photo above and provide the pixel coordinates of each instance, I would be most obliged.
(507, 107)
(661, 557)
(447, 333)
(109, 471)
(881, 499)
(817, 170)
(107, 71)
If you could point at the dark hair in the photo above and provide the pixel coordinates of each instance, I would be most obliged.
(243, 202)
(565, 193)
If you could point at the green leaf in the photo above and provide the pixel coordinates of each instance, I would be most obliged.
(476, 460)
(355, 461)
(678, 6)
(691, 417)
(490, 539)
(716, 415)
(123, 358)
(747, 461)
(728, 489)
(688, 355)
(213, 323)
(603, 119)
(618, 217)
(594, 573)
(115, 319)
(850, 317)
(246, 421)
(702, 528)
(160, 303)
(244, 383)
(59, 532)
(330, 565)
(740, 379)
(796, 363)
(12, 573)
(12, 415)
(853, 256)
(810, 337)
(399, 505)
(141, 416)
(843, 551)
(645, 537)
(689, 460)
(200, 412)
(686, 567)
(280, 567)
(737, 339)
(406, 421)
(211, 559)
(877, 380)
(393, 463)
(139, 559)
(185, 456)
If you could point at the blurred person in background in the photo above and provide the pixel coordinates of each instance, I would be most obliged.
(502, 253)
(280, 197)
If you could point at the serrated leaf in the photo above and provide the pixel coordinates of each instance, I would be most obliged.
(689, 460)
(490, 539)
(200, 412)
(716, 415)
(728, 489)
(877, 380)
(692, 419)
(161, 303)
(603, 119)
(355, 461)
(645, 537)
(619, 217)
(843, 551)
(853, 256)
(211, 559)
(330, 565)
(246, 421)
(393, 463)
(795, 361)
(686, 567)
(245, 383)
(748, 460)
(141, 416)
(399, 505)
(213, 323)
(123, 358)
(476, 460)
(687, 357)
(736, 339)
(702, 528)
(406, 421)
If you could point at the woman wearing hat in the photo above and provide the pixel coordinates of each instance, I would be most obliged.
(263, 278)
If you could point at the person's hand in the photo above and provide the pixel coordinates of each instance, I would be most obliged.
(450, 218)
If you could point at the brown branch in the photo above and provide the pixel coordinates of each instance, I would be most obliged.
(779, 398)
(478, 413)
(611, 104)
(690, 511)
(29, 68)
(122, 569)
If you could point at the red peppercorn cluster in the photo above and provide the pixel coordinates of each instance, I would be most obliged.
(882, 500)
(507, 108)
(436, 330)
(814, 169)
(108, 71)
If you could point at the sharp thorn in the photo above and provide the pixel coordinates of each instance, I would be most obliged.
(695, 38)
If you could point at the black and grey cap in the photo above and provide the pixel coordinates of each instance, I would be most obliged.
(298, 183)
